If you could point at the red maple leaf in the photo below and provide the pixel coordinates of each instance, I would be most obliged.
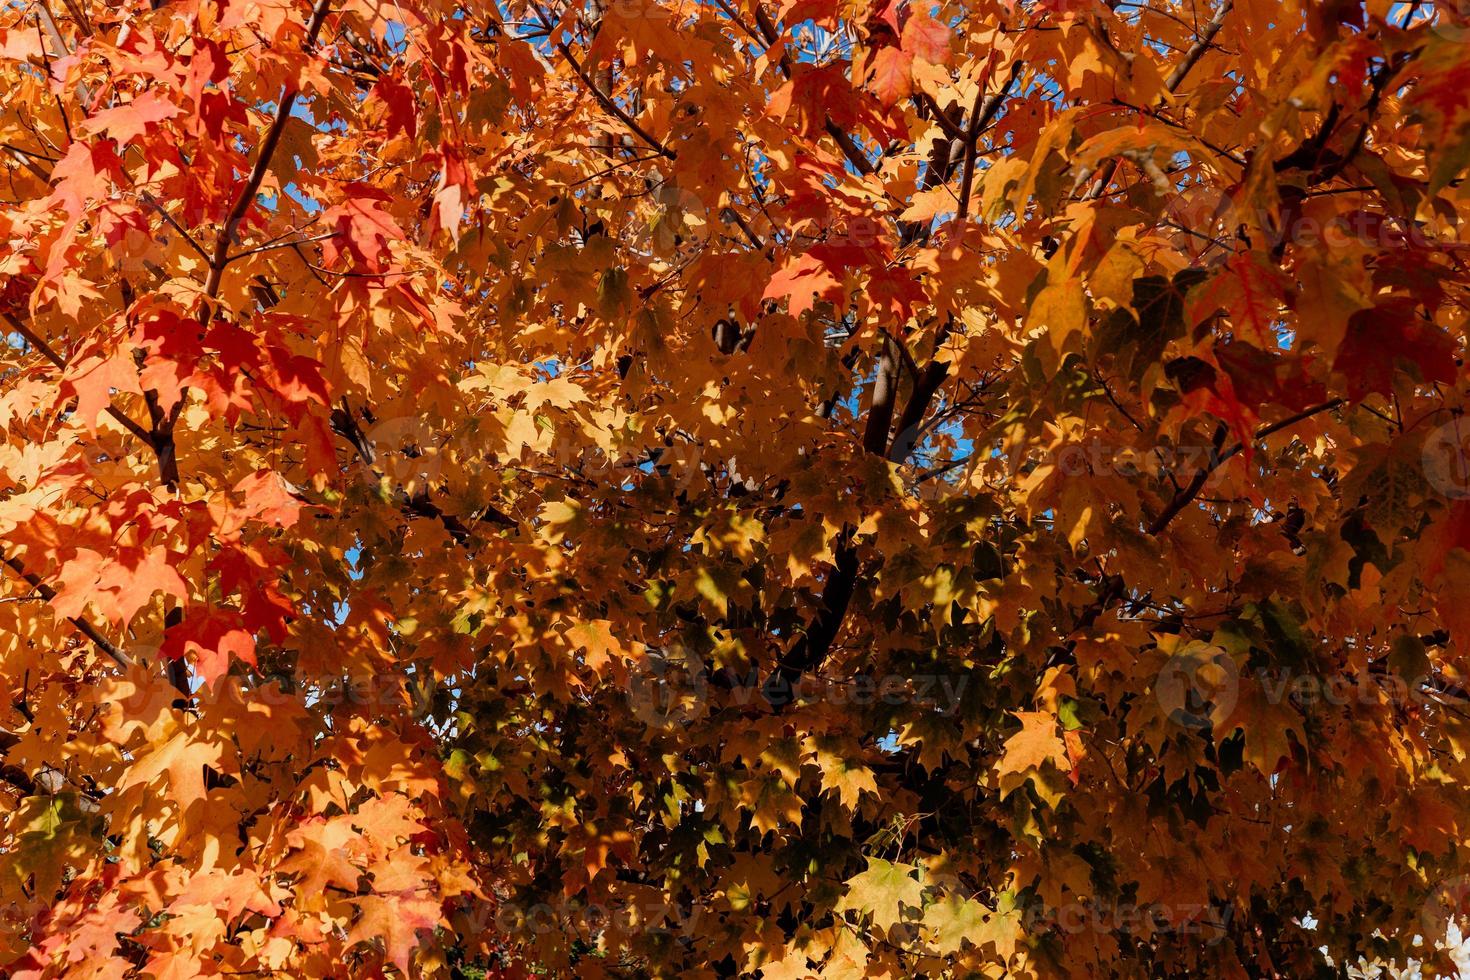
(1379, 338)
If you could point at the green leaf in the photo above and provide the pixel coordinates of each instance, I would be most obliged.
(882, 891)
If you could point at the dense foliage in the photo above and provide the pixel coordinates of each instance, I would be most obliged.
(842, 488)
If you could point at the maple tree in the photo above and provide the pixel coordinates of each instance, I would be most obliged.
(727, 488)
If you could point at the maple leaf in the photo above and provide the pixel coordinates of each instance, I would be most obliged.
(388, 820)
(126, 122)
(1259, 378)
(86, 171)
(804, 279)
(1062, 309)
(234, 894)
(1249, 289)
(885, 19)
(213, 642)
(395, 921)
(132, 577)
(890, 74)
(1442, 97)
(848, 779)
(926, 38)
(322, 856)
(267, 500)
(819, 94)
(400, 110)
(94, 378)
(1206, 389)
(118, 585)
(558, 393)
(1034, 745)
(363, 228)
(94, 938)
(954, 920)
(882, 891)
(453, 190)
(1390, 332)
(597, 640)
(183, 759)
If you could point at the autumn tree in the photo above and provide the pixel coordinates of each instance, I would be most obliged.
(717, 488)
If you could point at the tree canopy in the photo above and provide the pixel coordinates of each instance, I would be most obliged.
(710, 488)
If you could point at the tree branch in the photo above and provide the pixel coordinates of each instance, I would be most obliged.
(981, 114)
(50, 354)
(152, 202)
(1200, 46)
(344, 424)
(1114, 588)
(1171, 85)
(604, 99)
(1182, 498)
(87, 629)
(220, 258)
(845, 142)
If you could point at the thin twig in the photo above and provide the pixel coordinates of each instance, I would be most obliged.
(1171, 85)
(152, 202)
(1182, 498)
(603, 99)
(268, 246)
